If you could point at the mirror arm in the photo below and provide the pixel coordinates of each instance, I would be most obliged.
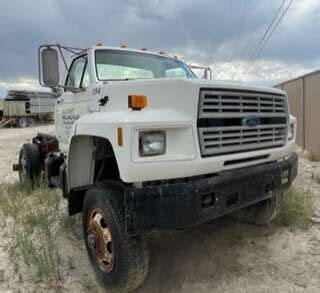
(62, 56)
(57, 92)
(73, 90)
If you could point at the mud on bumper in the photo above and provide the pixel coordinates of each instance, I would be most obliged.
(170, 206)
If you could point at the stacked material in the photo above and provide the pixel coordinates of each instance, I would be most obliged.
(20, 103)
(26, 108)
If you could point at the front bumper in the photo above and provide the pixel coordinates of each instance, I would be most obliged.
(194, 201)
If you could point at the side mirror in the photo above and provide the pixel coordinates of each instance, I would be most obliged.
(48, 67)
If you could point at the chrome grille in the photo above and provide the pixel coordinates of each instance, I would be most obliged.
(221, 126)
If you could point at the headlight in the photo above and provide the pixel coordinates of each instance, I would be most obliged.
(152, 143)
(291, 132)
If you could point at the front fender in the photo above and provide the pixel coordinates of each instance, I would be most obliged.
(105, 125)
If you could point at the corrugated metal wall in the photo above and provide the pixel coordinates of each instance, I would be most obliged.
(294, 89)
(312, 113)
(304, 102)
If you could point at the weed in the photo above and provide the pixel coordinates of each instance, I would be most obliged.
(66, 223)
(40, 258)
(315, 177)
(11, 199)
(35, 213)
(297, 210)
(73, 224)
(87, 284)
(71, 265)
(37, 219)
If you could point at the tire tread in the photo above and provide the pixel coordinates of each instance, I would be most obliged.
(135, 248)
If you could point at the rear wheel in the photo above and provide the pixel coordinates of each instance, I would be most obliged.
(22, 122)
(29, 164)
(31, 122)
(120, 262)
(262, 213)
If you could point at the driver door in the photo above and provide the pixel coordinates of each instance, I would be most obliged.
(74, 101)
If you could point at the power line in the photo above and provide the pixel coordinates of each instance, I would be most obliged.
(268, 36)
(275, 27)
(266, 32)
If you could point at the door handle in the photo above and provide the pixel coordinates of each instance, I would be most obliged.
(104, 101)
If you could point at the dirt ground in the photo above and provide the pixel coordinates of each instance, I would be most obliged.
(220, 256)
(10, 141)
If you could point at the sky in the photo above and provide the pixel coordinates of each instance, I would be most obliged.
(221, 34)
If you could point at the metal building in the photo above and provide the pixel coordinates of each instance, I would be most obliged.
(304, 102)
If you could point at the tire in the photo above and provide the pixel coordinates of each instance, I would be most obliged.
(23, 122)
(31, 122)
(262, 213)
(30, 164)
(120, 262)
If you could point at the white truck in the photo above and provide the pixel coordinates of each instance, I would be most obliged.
(142, 144)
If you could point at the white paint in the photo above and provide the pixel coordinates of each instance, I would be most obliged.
(172, 107)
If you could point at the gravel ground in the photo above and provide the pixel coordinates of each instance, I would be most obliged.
(10, 141)
(220, 256)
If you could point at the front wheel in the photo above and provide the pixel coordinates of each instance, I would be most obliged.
(120, 262)
(262, 213)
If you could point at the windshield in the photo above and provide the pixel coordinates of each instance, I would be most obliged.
(122, 65)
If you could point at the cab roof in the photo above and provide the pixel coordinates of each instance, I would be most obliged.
(132, 50)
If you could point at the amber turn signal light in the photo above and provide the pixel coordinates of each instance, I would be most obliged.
(120, 136)
(137, 102)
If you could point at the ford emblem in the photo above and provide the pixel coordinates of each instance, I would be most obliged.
(251, 121)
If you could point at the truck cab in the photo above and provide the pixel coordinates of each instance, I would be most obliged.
(94, 73)
(142, 144)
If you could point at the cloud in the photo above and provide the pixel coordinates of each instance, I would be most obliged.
(262, 71)
(304, 12)
(28, 84)
(223, 33)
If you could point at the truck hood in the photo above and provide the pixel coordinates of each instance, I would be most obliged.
(236, 85)
(200, 83)
(178, 97)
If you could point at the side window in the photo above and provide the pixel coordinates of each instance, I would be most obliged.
(176, 73)
(78, 75)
